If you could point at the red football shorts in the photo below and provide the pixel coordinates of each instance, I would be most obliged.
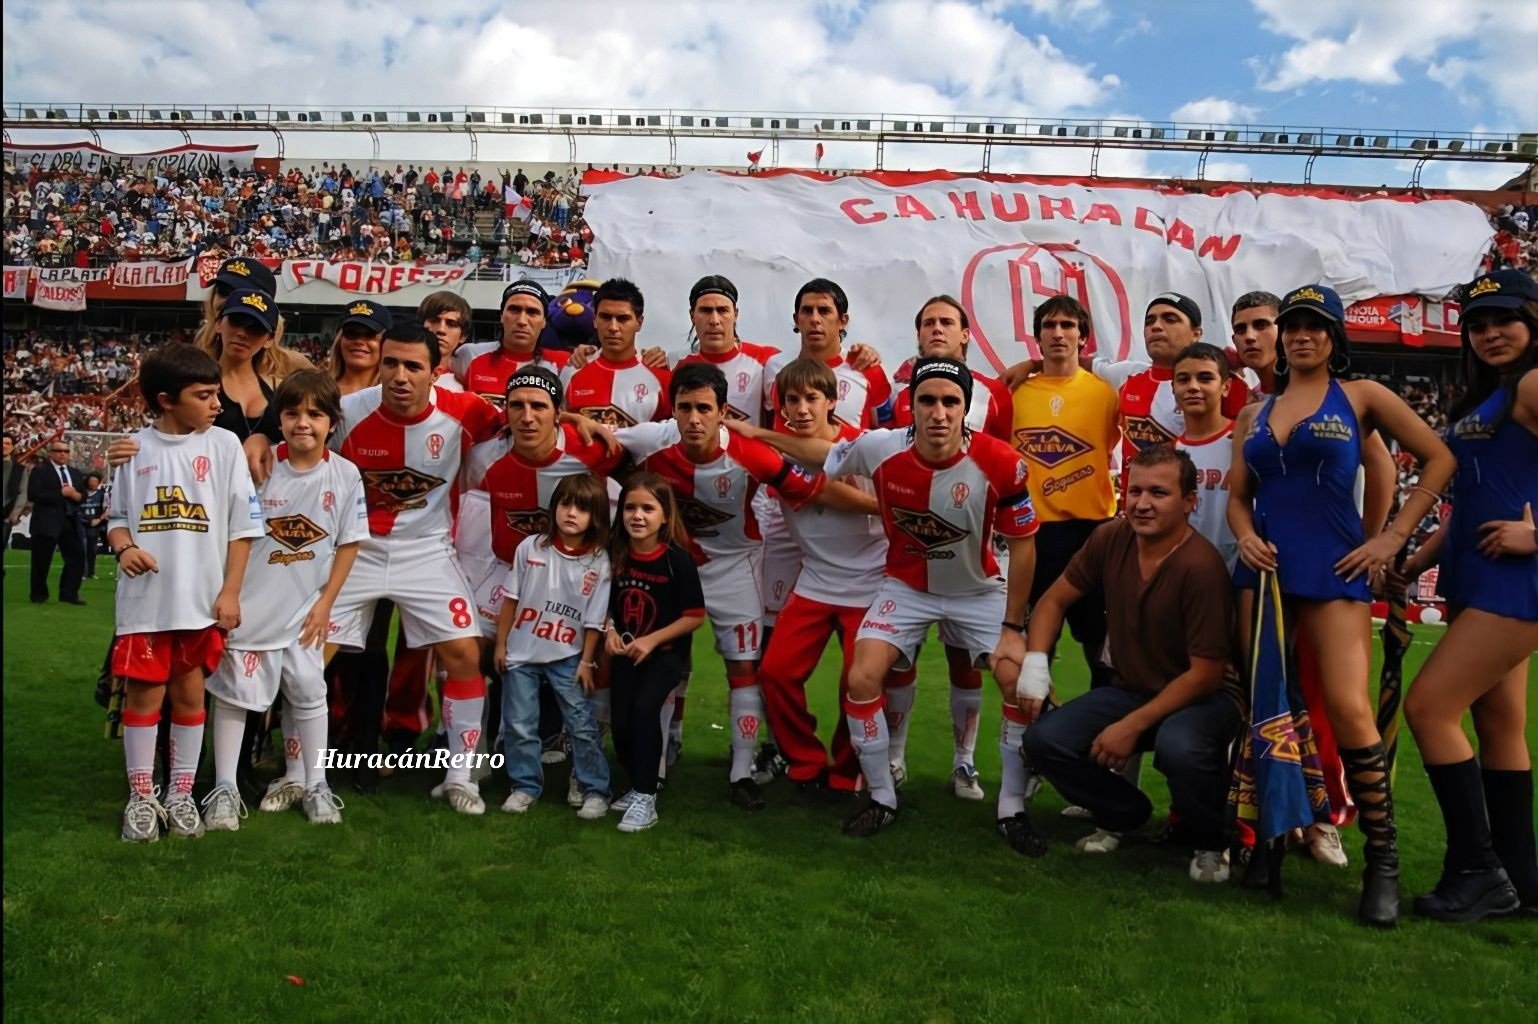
(161, 657)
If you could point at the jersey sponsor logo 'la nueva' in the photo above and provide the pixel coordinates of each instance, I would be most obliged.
(172, 510)
(295, 533)
(928, 530)
(1050, 446)
(399, 489)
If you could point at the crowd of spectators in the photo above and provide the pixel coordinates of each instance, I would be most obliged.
(331, 212)
(1516, 239)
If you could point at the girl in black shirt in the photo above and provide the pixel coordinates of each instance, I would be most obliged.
(655, 603)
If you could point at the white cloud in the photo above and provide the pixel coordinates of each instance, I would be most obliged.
(1376, 41)
(1213, 110)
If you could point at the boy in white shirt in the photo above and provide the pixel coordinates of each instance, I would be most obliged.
(187, 496)
(315, 517)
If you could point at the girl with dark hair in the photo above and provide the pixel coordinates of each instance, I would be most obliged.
(1489, 575)
(1292, 510)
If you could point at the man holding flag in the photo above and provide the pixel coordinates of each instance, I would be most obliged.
(1170, 625)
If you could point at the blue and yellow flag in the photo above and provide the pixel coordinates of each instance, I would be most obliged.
(1278, 785)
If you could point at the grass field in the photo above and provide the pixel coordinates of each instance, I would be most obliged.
(410, 912)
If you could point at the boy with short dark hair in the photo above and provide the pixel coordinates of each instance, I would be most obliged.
(187, 496)
(315, 517)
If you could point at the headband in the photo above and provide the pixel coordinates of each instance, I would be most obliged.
(953, 370)
(537, 377)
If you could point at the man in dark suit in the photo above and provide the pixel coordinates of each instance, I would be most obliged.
(53, 492)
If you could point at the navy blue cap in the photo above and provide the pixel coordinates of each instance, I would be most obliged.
(245, 272)
(254, 305)
(370, 314)
(1314, 298)
(1504, 289)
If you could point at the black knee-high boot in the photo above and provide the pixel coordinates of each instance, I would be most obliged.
(1473, 886)
(1367, 777)
(1509, 796)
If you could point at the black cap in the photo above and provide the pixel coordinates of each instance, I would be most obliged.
(523, 286)
(370, 314)
(943, 368)
(1314, 298)
(1504, 289)
(245, 272)
(254, 305)
(536, 377)
(1184, 303)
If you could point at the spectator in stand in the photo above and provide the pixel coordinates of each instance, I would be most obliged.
(356, 347)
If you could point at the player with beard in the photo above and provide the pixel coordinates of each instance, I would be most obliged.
(943, 492)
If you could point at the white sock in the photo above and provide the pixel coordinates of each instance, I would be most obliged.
(229, 734)
(746, 707)
(1013, 791)
(139, 732)
(966, 706)
(462, 722)
(873, 742)
(310, 739)
(899, 709)
(186, 748)
(293, 746)
(674, 727)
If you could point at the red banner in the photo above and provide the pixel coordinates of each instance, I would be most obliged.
(16, 281)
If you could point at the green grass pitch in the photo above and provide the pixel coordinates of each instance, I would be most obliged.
(410, 912)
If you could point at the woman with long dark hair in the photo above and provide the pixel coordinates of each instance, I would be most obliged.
(1489, 576)
(1293, 512)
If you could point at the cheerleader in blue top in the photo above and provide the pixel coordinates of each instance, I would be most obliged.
(1292, 478)
(1490, 578)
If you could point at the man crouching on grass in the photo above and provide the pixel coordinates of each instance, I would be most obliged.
(1170, 619)
(187, 496)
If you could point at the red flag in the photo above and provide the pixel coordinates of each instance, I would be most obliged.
(753, 158)
(819, 151)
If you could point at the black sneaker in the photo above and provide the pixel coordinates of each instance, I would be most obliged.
(746, 794)
(768, 764)
(870, 819)
(1021, 835)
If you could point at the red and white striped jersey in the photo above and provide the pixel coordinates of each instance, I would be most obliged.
(842, 553)
(991, 411)
(411, 467)
(488, 367)
(940, 519)
(1150, 414)
(715, 497)
(619, 394)
(864, 396)
(744, 370)
(519, 492)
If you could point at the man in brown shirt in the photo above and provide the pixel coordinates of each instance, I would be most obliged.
(1170, 618)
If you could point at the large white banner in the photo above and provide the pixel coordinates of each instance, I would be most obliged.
(89, 158)
(1001, 247)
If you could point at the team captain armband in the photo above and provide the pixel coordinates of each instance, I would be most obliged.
(1016, 516)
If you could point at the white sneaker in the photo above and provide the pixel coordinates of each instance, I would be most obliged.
(622, 804)
(518, 802)
(1209, 866)
(573, 793)
(322, 806)
(464, 797)
(899, 773)
(1099, 841)
(1077, 813)
(281, 795)
(1324, 845)
(223, 809)
(641, 815)
(966, 783)
(182, 814)
(556, 752)
(142, 817)
(593, 807)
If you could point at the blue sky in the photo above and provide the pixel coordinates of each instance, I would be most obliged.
(1412, 64)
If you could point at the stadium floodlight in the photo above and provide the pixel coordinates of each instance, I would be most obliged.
(624, 121)
(1528, 148)
(1283, 139)
(155, 115)
(479, 117)
(1009, 129)
(1193, 135)
(347, 115)
(93, 114)
(1157, 133)
(368, 118)
(283, 115)
(972, 126)
(1343, 140)
(937, 126)
(315, 116)
(1381, 142)
(1082, 131)
(755, 122)
(774, 122)
(250, 115)
(446, 117)
(595, 119)
(414, 116)
(217, 115)
(989, 129)
(1230, 136)
(536, 118)
(508, 118)
(1045, 129)
(1268, 138)
(563, 119)
(30, 113)
(827, 124)
(864, 126)
(55, 114)
(1455, 146)
(1120, 133)
(686, 121)
(380, 117)
(236, 115)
